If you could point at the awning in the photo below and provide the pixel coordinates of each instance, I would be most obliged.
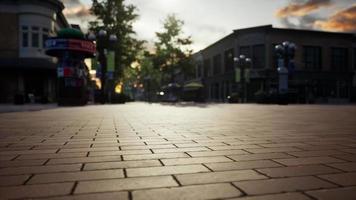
(193, 86)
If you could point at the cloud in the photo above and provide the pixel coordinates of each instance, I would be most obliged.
(302, 9)
(344, 20)
(71, 3)
(79, 11)
(75, 9)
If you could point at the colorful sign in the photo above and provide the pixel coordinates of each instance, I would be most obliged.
(54, 44)
(110, 61)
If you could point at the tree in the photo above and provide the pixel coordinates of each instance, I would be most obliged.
(172, 50)
(117, 18)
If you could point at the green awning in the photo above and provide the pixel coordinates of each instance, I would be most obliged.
(193, 86)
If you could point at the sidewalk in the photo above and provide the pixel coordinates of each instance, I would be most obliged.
(4, 108)
(141, 151)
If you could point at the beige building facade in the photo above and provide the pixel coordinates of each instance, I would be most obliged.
(25, 69)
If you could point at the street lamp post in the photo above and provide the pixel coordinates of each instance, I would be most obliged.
(242, 63)
(285, 53)
(102, 58)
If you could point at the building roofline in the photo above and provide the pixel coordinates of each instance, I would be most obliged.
(220, 40)
(57, 5)
(270, 27)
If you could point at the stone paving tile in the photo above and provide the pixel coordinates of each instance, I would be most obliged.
(344, 179)
(39, 169)
(242, 165)
(316, 153)
(54, 155)
(125, 184)
(104, 196)
(348, 193)
(197, 192)
(29, 191)
(165, 170)
(216, 153)
(26, 152)
(283, 144)
(284, 196)
(279, 172)
(13, 180)
(353, 151)
(7, 157)
(117, 153)
(155, 156)
(257, 187)
(347, 157)
(232, 147)
(216, 177)
(84, 160)
(76, 176)
(308, 160)
(349, 166)
(19, 163)
(96, 149)
(121, 165)
(188, 149)
(259, 156)
(321, 147)
(272, 150)
(187, 161)
(162, 146)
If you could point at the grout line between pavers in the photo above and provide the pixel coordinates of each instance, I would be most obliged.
(29, 178)
(340, 170)
(326, 180)
(310, 196)
(74, 187)
(243, 193)
(207, 167)
(175, 178)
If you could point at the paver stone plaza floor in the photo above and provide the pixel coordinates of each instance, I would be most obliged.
(155, 151)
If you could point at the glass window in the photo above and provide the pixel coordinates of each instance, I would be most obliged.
(245, 50)
(217, 64)
(229, 60)
(25, 39)
(45, 33)
(258, 58)
(35, 40)
(25, 35)
(44, 38)
(339, 59)
(312, 58)
(35, 36)
(207, 68)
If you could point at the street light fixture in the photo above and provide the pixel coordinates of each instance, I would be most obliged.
(285, 53)
(242, 63)
(102, 57)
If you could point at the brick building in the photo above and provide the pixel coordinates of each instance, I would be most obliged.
(324, 64)
(25, 69)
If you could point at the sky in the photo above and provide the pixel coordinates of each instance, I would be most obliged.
(207, 21)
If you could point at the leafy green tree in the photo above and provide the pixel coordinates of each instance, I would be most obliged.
(172, 50)
(117, 18)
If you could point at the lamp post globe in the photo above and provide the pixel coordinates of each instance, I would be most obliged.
(102, 33)
(91, 36)
(242, 64)
(113, 38)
